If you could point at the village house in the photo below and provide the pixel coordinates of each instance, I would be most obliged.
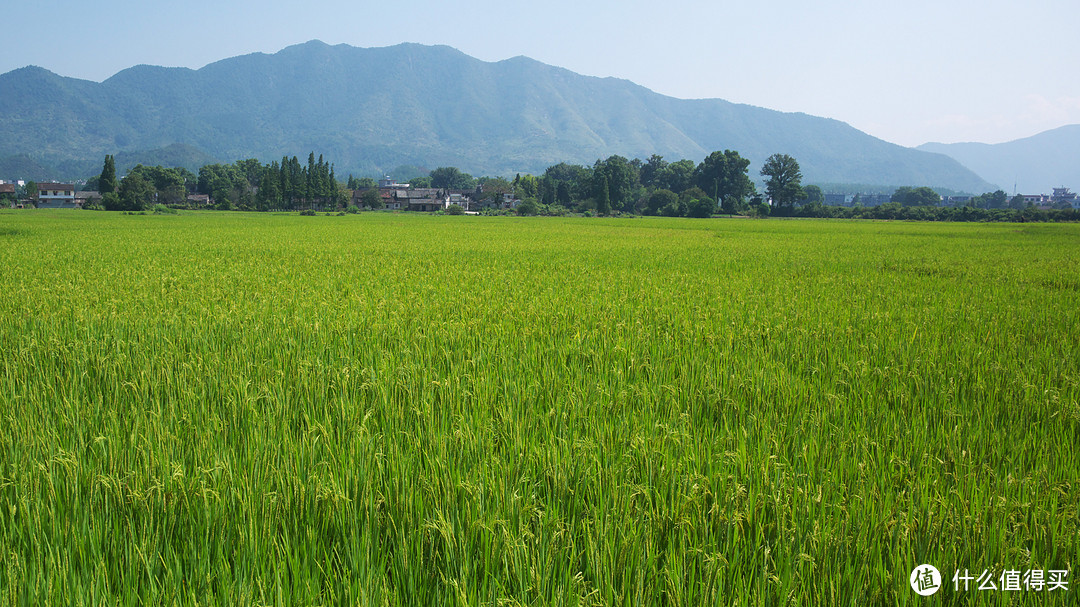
(403, 197)
(390, 200)
(56, 195)
(424, 199)
(388, 196)
(1064, 195)
(1061, 198)
(7, 194)
(87, 197)
(460, 199)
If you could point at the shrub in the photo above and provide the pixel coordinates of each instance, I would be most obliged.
(675, 208)
(700, 207)
(760, 209)
(527, 207)
(111, 201)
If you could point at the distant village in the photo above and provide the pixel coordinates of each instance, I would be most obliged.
(404, 197)
(395, 196)
(1061, 198)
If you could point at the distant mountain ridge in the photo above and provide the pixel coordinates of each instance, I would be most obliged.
(1034, 165)
(369, 110)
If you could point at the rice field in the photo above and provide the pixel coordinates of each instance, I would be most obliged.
(384, 409)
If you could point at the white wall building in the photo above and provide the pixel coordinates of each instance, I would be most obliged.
(56, 195)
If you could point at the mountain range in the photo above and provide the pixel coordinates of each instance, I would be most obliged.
(1033, 165)
(372, 109)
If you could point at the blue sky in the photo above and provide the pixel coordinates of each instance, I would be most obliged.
(908, 72)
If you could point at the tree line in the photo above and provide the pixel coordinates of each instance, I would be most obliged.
(897, 211)
(245, 184)
(612, 185)
(720, 183)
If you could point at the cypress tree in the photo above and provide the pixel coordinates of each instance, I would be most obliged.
(603, 197)
(297, 181)
(283, 182)
(107, 181)
(312, 179)
(333, 186)
(269, 195)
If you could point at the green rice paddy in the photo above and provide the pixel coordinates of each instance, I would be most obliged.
(384, 409)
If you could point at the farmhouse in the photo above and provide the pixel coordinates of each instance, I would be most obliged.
(424, 199)
(56, 196)
(403, 197)
(86, 197)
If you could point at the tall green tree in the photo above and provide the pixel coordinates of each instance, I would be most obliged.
(548, 188)
(620, 176)
(784, 183)
(451, 178)
(107, 181)
(660, 199)
(562, 194)
(311, 177)
(572, 182)
(813, 195)
(677, 176)
(723, 175)
(269, 194)
(251, 169)
(651, 170)
(136, 192)
(526, 186)
(602, 195)
(494, 189)
(163, 179)
(371, 199)
(917, 197)
(996, 200)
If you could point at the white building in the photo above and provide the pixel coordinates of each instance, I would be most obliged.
(56, 195)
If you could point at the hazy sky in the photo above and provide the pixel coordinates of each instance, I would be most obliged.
(907, 71)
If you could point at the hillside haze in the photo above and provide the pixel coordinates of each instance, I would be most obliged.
(1034, 165)
(370, 110)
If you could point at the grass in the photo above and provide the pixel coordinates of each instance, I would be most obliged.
(413, 410)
